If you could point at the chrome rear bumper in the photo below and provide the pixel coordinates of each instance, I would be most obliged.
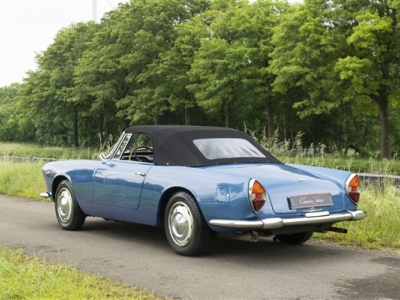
(273, 223)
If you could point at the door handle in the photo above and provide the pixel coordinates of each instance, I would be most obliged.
(140, 174)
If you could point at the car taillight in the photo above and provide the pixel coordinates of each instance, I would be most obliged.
(257, 195)
(353, 188)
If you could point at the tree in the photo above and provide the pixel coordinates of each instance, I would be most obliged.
(230, 68)
(36, 100)
(337, 52)
(262, 16)
(173, 65)
(147, 27)
(100, 79)
(49, 93)
(14, 124)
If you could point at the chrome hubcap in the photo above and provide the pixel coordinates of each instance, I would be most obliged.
(64, 205)
(180, 223)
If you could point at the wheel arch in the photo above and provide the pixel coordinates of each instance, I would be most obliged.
(56, 182)
(162, 205)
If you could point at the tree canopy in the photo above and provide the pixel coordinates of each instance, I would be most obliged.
(325, 69)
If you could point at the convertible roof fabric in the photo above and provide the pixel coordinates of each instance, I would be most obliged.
(173, 144)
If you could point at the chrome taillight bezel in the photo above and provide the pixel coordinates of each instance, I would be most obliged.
(353, 188)
(257, 202)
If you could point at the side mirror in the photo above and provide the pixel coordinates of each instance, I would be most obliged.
(103, 158)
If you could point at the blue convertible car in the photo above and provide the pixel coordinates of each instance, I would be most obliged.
(198, 182)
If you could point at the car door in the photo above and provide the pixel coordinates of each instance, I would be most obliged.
(118, 181)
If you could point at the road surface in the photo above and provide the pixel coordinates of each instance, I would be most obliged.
(140, 256)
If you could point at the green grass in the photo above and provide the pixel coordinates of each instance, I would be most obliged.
(380, 229)
(28, 150)
(23, 277)
(21, 179)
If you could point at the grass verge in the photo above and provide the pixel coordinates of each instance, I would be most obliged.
(28, 150)
(380, 229)
(21, 179)
(23, 277)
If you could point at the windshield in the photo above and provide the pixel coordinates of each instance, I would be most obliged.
(113, 149)
(219, 148)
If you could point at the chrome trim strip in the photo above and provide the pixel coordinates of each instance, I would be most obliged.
(238, 224)
(273, 223)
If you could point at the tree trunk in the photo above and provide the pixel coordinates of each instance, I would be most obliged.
(101, 129)
(227, 115)
(284, 127)
(270, 121)
(156, 119)
(383, 104)
(76, 138)
(126, 123)
(188, 120)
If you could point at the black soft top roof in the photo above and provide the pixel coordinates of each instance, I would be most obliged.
(173, 144)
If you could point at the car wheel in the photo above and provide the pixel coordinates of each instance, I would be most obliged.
(69, 214)
(186, 230)
(296, 238)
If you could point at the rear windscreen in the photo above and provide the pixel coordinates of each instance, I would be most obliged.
(220, 148)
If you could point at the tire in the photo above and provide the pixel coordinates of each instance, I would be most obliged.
(185, 228)
(69, 214)
(296, 238)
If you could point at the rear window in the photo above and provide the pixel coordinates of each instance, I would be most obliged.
(220, 148)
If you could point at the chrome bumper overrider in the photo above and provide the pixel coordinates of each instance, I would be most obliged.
(273, 223)
(45, 195)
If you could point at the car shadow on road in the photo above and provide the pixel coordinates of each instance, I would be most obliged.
(264, 251)
(124, 230)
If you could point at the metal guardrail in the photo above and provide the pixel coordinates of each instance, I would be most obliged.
(371, 178)
(26, 159)
(378, 181)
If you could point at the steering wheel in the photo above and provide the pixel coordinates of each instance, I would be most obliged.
(133, 152)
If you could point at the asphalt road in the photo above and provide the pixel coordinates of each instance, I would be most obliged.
(140, 256)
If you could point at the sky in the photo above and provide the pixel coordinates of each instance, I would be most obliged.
(28, 27)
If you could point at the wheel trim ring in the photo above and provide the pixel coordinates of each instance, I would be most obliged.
(64, 205)
(180, 224)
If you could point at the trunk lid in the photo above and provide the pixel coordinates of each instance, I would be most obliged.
(308, 192)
